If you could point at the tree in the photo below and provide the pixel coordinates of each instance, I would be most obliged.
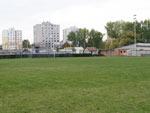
(115, 43)
(66, 45)
(86, 38)
(112, 43)
(102, 45)
(124, 33)
(124, 42)
(79, 37)
(73, 37)
(108, 43)
(26, 44)
(145, 31)
(114, 29)
(82, 36)
(95, 39)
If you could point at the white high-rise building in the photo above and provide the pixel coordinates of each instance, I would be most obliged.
(46, 35)
(11, 39)
(67, 31)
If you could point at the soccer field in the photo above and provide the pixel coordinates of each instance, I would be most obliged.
(75, 85)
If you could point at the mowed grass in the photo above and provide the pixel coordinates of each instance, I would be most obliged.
(75, 85)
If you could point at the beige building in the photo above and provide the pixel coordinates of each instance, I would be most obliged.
(11, 39)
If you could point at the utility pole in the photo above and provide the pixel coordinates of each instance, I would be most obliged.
(135, 34)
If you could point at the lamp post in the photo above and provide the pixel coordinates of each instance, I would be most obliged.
(135, 34)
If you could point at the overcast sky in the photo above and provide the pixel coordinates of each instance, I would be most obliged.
(23, 14)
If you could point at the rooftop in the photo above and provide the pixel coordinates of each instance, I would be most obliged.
(132, 46)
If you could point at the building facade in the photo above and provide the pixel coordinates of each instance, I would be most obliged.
(46, 35)
(11, 39)
(139, 49)
(67, 31)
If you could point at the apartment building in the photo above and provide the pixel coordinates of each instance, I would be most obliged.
(46, 35)
(67, 31)
(11, 39)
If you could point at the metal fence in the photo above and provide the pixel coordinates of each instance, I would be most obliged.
(140, 53)
(11, 56)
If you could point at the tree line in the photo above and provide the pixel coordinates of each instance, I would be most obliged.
(85, 38)
(121, 33)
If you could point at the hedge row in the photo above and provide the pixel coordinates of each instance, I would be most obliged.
(43, 56)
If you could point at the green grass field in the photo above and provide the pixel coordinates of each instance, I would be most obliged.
(75, 85)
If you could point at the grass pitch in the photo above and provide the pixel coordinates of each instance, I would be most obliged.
(75, 85)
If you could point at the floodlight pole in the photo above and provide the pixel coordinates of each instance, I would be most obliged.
(135, 35)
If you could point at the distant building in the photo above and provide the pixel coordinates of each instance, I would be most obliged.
(66, 33)
(11, 39)
(46, 35)
(91, 50)
(79, 50)
(142, 49)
